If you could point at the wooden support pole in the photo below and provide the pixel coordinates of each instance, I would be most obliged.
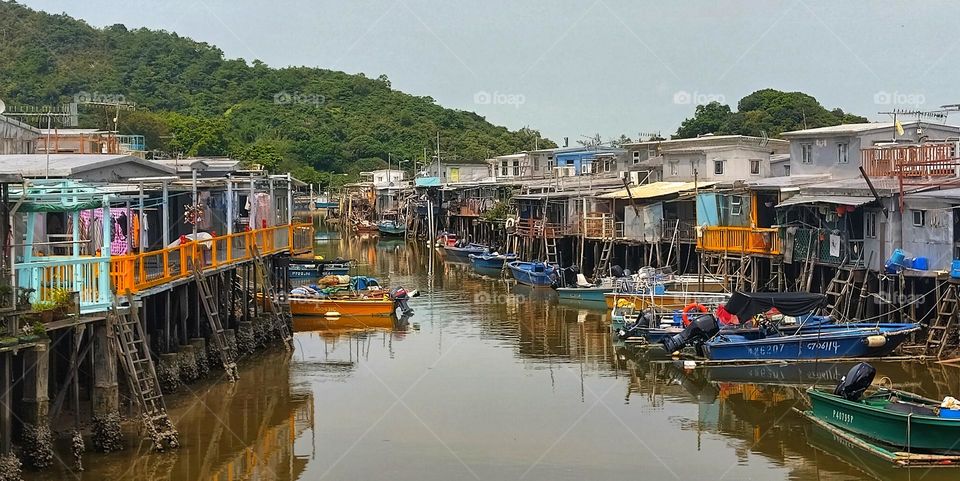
(6, 407)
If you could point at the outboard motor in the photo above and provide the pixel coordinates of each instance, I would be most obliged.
(570, 275)
(704, 327)
(616, 271)
(400, 298)
(852, 386)
(645, 320)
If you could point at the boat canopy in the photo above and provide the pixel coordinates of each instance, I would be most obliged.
(748, 304)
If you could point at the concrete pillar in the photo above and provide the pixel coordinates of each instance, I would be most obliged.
(168, 372)
(245, 338)
(231, 337)
(36, 437)
(106, 433)
(188, 364)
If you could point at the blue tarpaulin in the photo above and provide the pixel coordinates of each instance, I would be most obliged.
(427, 182)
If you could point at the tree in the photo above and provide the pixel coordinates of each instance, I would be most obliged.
(708, 118)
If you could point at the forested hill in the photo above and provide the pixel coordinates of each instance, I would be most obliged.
(192, 100)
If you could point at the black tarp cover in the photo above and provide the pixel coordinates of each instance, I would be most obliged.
(745, 305)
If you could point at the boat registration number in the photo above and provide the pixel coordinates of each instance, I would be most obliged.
(842, 416)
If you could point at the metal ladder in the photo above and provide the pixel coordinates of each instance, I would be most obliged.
(216, 326)
(939, 331)
(130, 343)
(276, 310)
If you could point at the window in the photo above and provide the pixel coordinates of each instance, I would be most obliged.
(754, 167)
(674, 168)
(536, 164)
(806, 153)
(870, 225)
(736, 205)
(516, 168)
(636, 157)
(504, 169)
(718, 167)
(550, 164)
(786, 169)
(919, 217)
(842, 154)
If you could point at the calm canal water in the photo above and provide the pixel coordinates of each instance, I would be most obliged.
(490, 380)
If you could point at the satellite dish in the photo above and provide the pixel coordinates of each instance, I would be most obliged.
(3, 107)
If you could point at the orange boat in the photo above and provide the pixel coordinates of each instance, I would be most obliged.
(350, 306)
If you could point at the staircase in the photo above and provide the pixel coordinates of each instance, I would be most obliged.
(273, 300)
(938, 332)
(839, 293)
(131, 346)
(209, 305)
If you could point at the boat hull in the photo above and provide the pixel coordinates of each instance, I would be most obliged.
(585, 294)
(830, 344)
(344, 307)
(463, 253)
(389, 230)
(667, 300)
(524, 274)
(480, 261)
(919, 432)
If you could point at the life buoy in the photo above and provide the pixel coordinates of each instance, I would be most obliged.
(686, 320)
(510, 223)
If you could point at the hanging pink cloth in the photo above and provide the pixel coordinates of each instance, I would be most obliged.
(120, 225)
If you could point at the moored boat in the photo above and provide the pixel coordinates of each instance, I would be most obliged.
(836, 341)
(892, 417)
(585, 294)
(536, 274)
(664, 300)
(463, 252)
(391, 225)
(492, 261)
(343, 306)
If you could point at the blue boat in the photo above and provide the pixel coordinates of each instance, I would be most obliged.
(491, 261)
(536, 274)
(836, 341)
(391, 224)
(463, 253)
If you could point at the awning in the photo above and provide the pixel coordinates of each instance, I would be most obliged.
(826, 199)
(748, 304)
(656, 189)
(427, 182)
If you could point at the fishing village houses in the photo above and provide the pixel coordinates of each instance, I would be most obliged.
(861, 212)
(125, 278)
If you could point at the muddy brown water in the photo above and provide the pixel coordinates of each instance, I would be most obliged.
(490, 380)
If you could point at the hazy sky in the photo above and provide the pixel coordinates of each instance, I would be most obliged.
(577, 67)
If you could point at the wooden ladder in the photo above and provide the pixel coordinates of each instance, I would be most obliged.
(939, 331)
(550, 249)
(131, 346)
(838, 292)
(273, 300)
(218, 335)
(777, 278)
(603, 265)
(744, 271)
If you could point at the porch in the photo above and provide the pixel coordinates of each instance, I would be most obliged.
(741, 240)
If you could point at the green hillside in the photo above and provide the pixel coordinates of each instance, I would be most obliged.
(193, 101)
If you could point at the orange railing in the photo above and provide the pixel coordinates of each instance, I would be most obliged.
(600, 226)
(928, 160)
(537, 228)
(744, 240)
(136, 272)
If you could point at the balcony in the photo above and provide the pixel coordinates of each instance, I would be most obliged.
(818, 240)
(601, 226)
(927, 160)
(97, 277)
(531, 227)
(740, 240)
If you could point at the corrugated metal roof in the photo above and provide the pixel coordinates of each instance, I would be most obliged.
(66, 165)
(656, 189)
(826, 199)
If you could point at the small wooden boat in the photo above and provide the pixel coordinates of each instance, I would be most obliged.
(536, 274)
(829, 342)
(463, 253)
(303, 267)
(893, 417)
(342, 306)
(491, 261)
(664, 300)
(391, 225)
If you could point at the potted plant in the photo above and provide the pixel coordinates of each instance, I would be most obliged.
(45, 310)
(64, 301)
(7, 341)
(32, 332)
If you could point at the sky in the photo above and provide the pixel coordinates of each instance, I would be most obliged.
(574, 68)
